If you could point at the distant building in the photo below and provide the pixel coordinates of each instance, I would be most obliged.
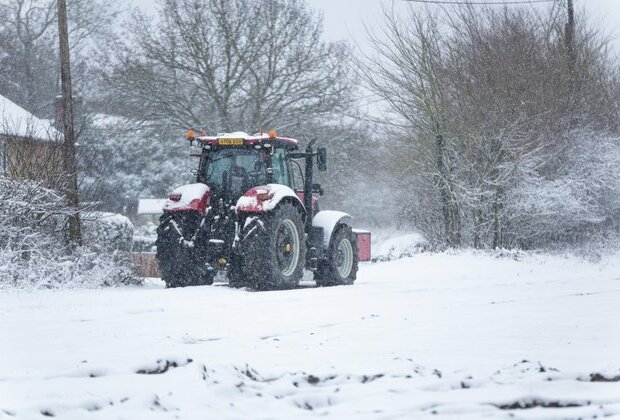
(30, 148)
(149, 210)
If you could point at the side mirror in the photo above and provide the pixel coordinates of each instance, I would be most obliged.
(316, 188)
(321, 159)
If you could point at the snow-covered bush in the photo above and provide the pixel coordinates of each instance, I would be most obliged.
(82, 268)
(144, 238)
(30, 215)
(32, 227)
(107, 231)
(576, 201)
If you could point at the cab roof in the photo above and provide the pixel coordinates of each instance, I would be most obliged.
(258, 138)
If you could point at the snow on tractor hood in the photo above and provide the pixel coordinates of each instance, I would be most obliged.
(264, 198)
(188, 197)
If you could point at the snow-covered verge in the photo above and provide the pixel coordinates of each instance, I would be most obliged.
(84, 268)
(464, 335)
(392, 244)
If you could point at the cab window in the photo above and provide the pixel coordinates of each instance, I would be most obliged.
(280, 168)
(241, 169)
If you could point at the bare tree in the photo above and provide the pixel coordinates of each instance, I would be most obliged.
(406, 73)
(491, 87)
(28, 48)
(26, 44)
(225, 65)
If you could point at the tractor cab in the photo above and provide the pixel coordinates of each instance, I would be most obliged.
(231, 164)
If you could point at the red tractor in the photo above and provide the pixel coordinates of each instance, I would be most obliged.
(245, 216)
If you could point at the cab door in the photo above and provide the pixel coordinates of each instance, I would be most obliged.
(281, 168)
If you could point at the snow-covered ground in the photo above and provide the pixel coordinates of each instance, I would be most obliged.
(462, 335)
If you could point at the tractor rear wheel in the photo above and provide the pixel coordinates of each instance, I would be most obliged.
(340, 266)
(273, 249)
(178, 253)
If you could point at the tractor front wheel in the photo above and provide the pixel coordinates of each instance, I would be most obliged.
(179, 259)
(340, 266)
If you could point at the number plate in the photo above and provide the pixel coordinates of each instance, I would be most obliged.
(230, 142)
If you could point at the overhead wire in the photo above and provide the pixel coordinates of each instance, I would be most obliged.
(490, 3)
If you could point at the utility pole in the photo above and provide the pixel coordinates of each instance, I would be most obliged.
(571, 61)
(570, 39)
(74, 234)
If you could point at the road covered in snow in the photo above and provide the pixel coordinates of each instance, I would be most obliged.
(454, 334)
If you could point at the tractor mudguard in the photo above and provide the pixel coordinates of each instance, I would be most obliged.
(189, 197)
(265, 198)
(329, 220)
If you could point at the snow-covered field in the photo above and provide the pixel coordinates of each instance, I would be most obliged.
(462, 335)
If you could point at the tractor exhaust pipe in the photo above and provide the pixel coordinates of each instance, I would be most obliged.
(308, 185)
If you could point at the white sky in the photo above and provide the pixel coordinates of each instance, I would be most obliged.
(345, 19)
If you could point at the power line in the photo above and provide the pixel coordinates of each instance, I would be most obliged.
(492, 3)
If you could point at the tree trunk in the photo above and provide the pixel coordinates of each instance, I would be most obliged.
(449, 206)
(497, 215)
(477, 219)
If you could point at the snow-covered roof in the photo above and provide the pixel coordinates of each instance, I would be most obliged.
(15, 121)
(151, 205)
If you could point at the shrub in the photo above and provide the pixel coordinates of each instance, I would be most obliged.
(32, 225)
